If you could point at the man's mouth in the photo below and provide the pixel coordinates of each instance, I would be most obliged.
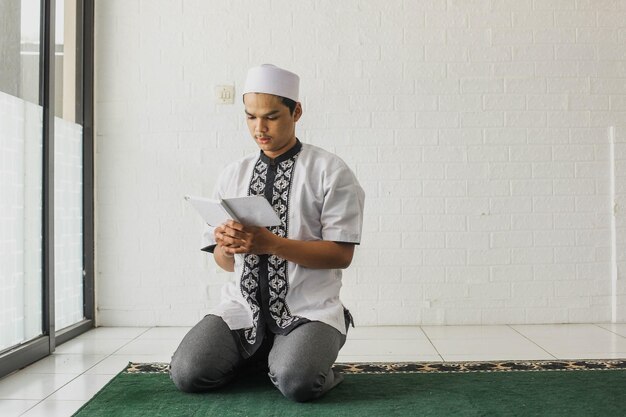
(263, 139)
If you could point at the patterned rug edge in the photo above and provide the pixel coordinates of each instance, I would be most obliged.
(435, 367)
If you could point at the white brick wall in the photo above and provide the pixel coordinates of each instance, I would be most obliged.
(478, 129)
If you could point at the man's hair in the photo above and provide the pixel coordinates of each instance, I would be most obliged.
(291, 105)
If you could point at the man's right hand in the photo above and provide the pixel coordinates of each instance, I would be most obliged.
(225, 240)
(223, 254)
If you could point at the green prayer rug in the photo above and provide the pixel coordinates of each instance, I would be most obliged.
(545, 388)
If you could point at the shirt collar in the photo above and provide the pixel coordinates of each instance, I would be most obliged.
(282, 157)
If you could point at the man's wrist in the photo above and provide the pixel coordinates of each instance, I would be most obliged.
(277, 245)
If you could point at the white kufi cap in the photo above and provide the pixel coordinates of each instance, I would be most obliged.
(270, 79)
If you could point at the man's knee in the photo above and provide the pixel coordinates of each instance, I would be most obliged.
(298, 384)
(182, 375)
(189, 377)
(206, 358)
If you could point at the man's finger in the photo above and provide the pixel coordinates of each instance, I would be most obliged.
(231, 241)
(239, 249)
(232, 234)
(236, 233)
(234, 225)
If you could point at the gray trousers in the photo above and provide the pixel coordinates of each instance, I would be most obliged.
(300, 363)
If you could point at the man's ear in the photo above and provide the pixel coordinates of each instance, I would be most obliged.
(297, 112)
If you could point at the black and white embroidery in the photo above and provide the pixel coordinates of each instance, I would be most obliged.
(265, 280)
(277, 267)
(250, 291)
(250, 288)
(259, 178)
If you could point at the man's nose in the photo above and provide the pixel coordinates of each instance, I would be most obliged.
(261, 126)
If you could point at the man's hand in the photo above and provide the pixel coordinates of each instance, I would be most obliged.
(233, 237)
(237, 238)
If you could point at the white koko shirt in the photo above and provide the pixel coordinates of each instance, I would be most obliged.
(317, 197)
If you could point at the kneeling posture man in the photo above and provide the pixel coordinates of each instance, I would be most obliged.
(283, 308)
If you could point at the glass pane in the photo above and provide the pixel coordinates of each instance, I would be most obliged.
(68, 174)
(20, 174)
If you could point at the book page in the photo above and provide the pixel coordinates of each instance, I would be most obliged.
(211, 210)
(253, 211)
(249, 211)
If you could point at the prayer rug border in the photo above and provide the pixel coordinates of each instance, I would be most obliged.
(436, 367)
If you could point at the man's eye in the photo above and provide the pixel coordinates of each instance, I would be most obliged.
(251, 117)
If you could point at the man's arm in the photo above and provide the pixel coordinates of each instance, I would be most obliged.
(224, 260)
(319, 254)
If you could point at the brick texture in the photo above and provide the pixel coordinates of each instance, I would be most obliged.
(480, 131)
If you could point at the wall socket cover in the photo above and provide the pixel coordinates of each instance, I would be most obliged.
(225, 94)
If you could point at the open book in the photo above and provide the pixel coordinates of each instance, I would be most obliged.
(249, 211)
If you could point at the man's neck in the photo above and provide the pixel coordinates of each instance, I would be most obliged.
(283, 154)
(282, 151)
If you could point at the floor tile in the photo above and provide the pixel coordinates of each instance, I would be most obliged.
(51, 408)
(469, 332)
(496, 348)
(583, 349)
(24, 386)
(606, 343)
(590, 355)
(60, 363)
(575, 341)
(386, 332)
(114, 333)
(567, 331)
(619, 329)
(82, 388)
(92, 346)
(165, 333)
(413, 357)
(473, 343)
(15, 408)
(114, 364)
(149, 347)
(388, 348)
(501, 356)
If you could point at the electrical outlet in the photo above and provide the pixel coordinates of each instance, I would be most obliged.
(224, 94)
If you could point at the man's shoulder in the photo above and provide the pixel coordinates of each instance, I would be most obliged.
(317, 153)
(316, 150)
(322, 156)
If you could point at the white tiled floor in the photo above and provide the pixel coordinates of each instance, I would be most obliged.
(58, 385)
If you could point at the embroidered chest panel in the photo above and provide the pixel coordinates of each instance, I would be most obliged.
(265, 281)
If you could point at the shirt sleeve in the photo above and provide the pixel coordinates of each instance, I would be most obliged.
(208, 241)
(208, 238)
(342, 211)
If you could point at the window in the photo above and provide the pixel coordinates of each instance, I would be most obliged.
(21, 177)
(68, 173)
(46, 171)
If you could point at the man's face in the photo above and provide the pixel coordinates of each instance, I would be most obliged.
(271, 125)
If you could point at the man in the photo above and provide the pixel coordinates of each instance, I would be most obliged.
(283, 308)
